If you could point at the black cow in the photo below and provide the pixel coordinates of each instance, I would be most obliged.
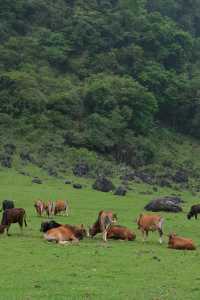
(45, 226)
(6, 204)
(194, 211)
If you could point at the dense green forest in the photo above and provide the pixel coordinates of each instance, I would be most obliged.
(99, 74)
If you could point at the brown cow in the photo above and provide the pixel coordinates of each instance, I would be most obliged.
(148, 223)
(62, 234)
(180, 243)
(60, 206)
(119, 232)
(13, 215)
(105, 219)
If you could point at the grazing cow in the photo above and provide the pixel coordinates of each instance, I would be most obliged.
(180, 243)
(148, 223)
(119, 232)
(40, 207)
(60, 206)
(6, 204)
(12, 215)
(194, 211)
(105, 219)
(62, 234)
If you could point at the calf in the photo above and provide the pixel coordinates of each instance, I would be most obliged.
(194, 211)
(60, 206)
(62, 234)
(119, 232)
(6, 204)
(180, 243)
(12, 215)
(148, 223)
(104, 221)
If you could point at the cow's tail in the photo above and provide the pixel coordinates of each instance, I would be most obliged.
(25, 220)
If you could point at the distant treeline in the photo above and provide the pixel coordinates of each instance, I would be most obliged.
(100, 72)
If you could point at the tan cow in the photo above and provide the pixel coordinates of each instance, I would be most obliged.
(62, 234)
(180, 243)
(104, 221)
(148, 223)
(60, 206)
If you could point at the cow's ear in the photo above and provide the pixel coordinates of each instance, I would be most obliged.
(82, 226)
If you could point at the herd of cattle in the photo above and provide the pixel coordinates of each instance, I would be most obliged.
(105, 224)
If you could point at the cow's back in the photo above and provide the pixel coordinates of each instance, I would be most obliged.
(149, 222)
(61, 233)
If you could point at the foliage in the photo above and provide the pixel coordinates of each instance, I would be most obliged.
(98, 74)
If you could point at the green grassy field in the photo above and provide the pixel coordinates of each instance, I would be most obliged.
(34, 269)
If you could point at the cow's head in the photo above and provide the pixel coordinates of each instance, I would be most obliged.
(138, 221)
(114, 218)
(81, 231)
(45, 226)
(171, 235)
(94, 229)
(189, 215)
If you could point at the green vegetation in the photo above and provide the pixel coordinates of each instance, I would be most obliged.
(112, 84)
(99, 75)
(34, 269)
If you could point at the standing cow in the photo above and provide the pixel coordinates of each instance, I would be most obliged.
(12, 215)
(60, 206)
(148, 223)
(194, 211)
(103, 223)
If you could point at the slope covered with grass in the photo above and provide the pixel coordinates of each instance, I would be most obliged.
(35, 269)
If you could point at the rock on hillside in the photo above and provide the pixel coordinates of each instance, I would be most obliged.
(168, 203)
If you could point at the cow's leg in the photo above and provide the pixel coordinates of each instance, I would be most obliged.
(143, 235)
(161, 234)
(66, 212)
(160, 224)
(21, 226)
(7, 229)
(63, 242)
(195, 216)
(105, 235)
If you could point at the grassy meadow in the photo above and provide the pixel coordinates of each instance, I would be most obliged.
(32, 268)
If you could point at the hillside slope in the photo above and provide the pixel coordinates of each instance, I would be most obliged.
(99, 79)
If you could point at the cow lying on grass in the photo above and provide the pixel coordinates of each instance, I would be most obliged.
(119, 232)
(194, 211)
(62, 234)
(180, 243)
(148, 223)
(12, 215)
(104, 221)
